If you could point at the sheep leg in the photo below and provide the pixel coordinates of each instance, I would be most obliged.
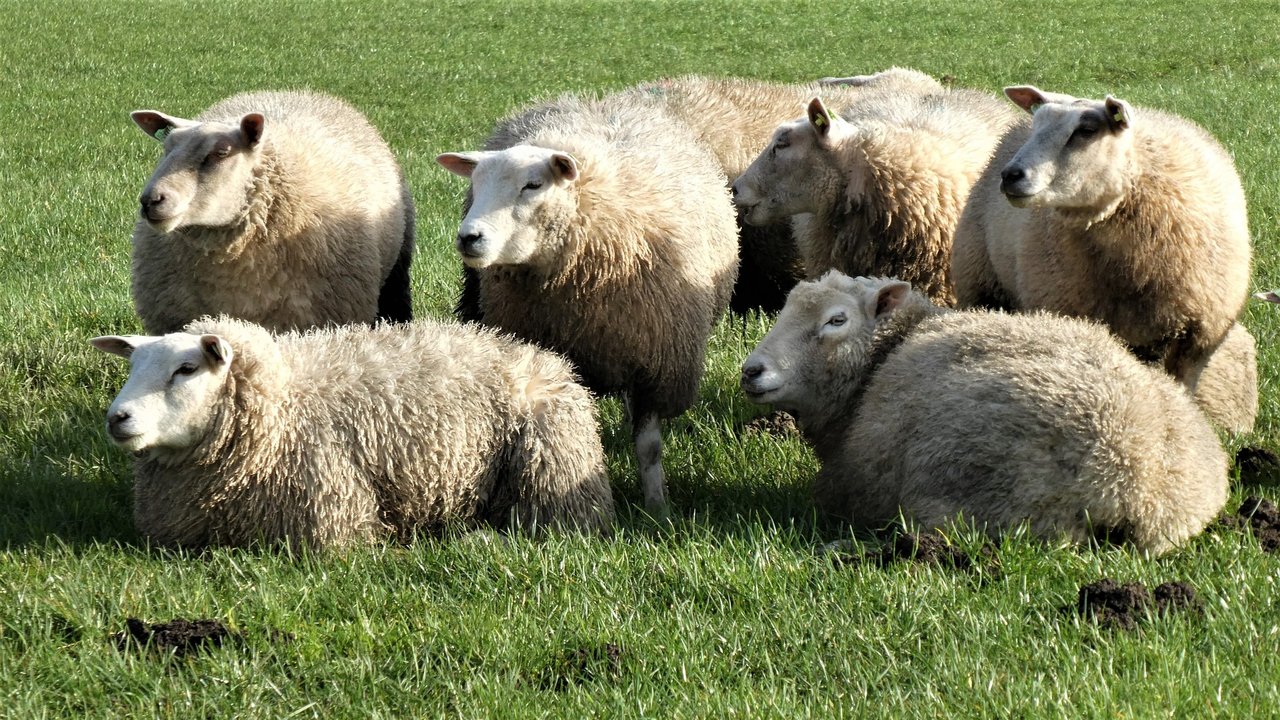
(648, 437)
(1189, 353)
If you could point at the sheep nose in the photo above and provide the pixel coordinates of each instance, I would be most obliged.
(468, 244)
(752, 371)
(1011, 175)
(114, 420)
(733, 190)
(150, 201)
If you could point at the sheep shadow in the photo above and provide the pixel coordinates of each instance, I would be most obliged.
(64, 483)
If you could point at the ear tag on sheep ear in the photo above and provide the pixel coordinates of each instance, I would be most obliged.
(1119, 116)
(1035, 107)
(162, 133)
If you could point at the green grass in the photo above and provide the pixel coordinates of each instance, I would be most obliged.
(728, 613)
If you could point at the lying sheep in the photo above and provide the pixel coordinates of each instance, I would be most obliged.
(1102, 210)
(339, 436)
(282, 208)
(733, 118)
(997, 418)
(877, 189)
(608, 236)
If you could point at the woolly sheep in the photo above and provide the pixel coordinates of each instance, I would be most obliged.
(341, 435)
(878, 188)
(1228, 387)
(608, 236)
(733, 118)
(282, 208)
(1127, 215)
(997, 418)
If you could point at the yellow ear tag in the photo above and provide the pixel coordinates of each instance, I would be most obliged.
(819, 120)
(1119, 116)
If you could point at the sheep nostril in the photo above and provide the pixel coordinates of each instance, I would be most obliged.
(753, 371)
(1012, 175)
(116, 418)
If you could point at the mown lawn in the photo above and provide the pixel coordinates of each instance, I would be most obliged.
(728, 612)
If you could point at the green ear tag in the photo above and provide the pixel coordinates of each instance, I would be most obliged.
(162, 133)
(819, 120)
(1119, 116)
(1036, 107)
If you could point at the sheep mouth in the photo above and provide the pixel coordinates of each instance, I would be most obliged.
(1017, 198)
(758, 394)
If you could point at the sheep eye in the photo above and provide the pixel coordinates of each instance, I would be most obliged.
(838, 319)
(781, 144)
(219, 153)
(185, 369)
(532, 185)
(1084, 132)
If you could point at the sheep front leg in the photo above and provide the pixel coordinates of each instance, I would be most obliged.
(1189, 353)
(648, 437)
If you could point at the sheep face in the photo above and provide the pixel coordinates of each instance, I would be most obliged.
(174, 380)
(206, 174)
(1077, 155)
(823, 336)
(518, 194)
(797, 173)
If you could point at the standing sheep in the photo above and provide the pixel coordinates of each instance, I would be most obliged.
(733, 118)
(339, 436)
(1125, 215)
(282, 208)
(997, 418)
(879, 188)
(606, 235)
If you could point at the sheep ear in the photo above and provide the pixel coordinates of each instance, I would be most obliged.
(252, 126)
(216, 350)
(157, 124)
(1027, 97)
(462, 164)
(1117, 113)
(564, 167)
(820, 117)
(888, 298)
(115, 344)
(1269, 296)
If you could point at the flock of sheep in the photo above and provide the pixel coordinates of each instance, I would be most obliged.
(1006, 316)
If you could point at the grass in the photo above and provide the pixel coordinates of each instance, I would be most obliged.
(728, 613)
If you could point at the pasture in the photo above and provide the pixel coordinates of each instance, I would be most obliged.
(729, 611)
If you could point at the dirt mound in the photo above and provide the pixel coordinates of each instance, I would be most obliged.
(178, 635)
(1256, 464)
(777, 423)
(924, 548)
(1111, 604)
(583, 665)
(1263, 517)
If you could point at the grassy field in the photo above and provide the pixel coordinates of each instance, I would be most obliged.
(728, 612)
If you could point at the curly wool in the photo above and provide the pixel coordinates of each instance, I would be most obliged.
(340, 436)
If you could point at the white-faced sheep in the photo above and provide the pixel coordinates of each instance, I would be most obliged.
(733, 118)
(1099, 209)
(997, 418)
(342, 435)
(283, 208)
(607, 235)
(879, 187)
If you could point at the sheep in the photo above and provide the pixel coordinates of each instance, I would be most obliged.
(342, 435)
(996, 418)
(607, 235)
(733, 118)
(1127, 215)
(1228, 389)
(877, 189)
(283, 208)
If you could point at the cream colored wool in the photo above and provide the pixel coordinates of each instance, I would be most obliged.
(999, 419)
(877, 187)
(734, 118)
(306, 221)
(342, 436)
(1140, 224)
(632, 259)
(1228, 387)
